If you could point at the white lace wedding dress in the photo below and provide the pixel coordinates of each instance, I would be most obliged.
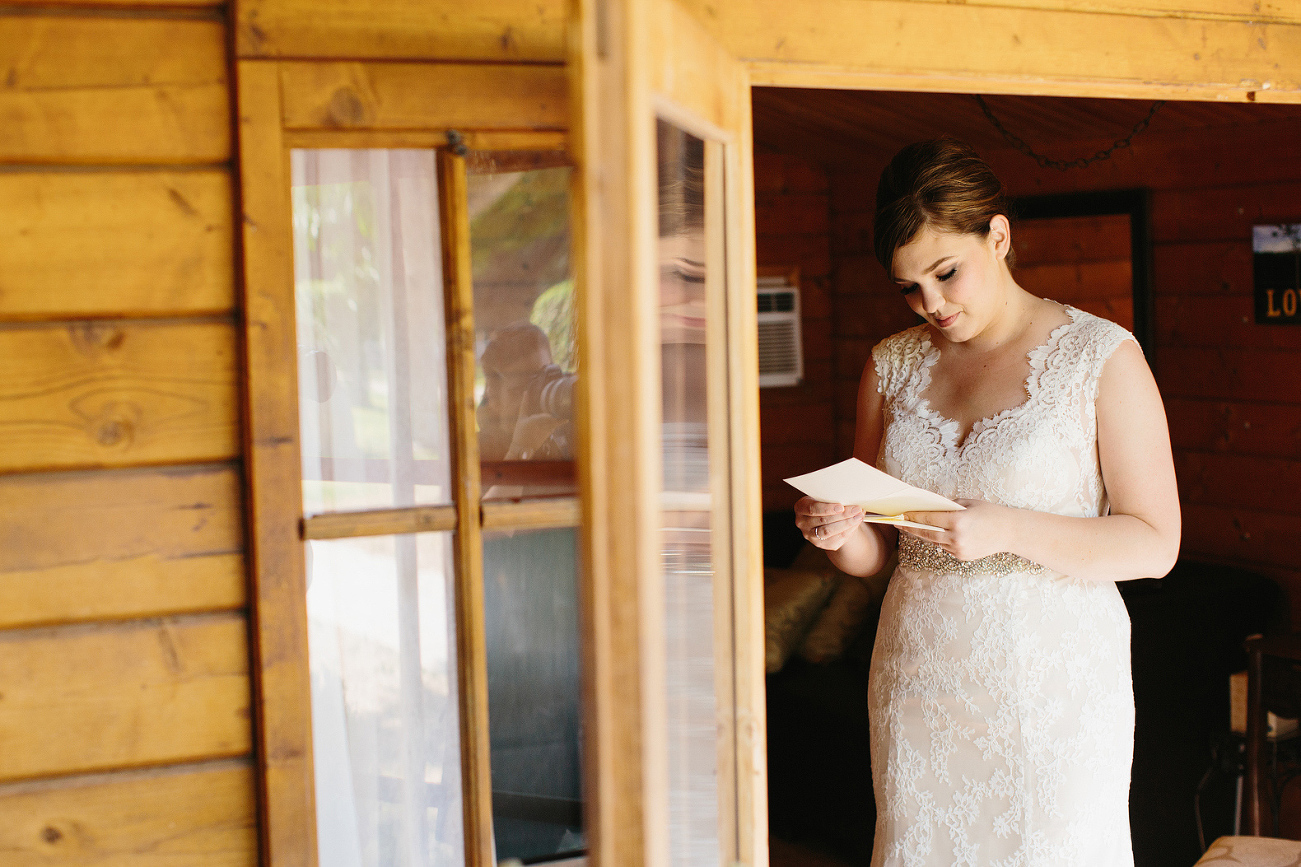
(1001, 702)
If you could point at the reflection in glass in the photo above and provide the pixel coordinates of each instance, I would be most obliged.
(687, 502)
(531, 629)
(524, 322)
(372, 358)
(385, 721)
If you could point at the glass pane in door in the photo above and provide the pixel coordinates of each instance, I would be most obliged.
(688, 503)
(530, 597)
(385, 719)
(524, 315)
(372, 360)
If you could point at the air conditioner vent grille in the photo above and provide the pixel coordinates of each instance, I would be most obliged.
(781, 355)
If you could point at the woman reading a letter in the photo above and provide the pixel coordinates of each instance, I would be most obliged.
(1000, 695)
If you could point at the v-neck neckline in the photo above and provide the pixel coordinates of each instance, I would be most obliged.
(949, 428)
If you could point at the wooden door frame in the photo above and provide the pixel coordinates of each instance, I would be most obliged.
(324, 104)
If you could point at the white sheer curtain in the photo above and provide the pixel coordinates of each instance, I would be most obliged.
(373, 410)
(371, 336)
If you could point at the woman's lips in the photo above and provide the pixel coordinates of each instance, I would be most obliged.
(946, 321)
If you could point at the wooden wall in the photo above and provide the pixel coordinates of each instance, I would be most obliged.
(1232, 388)
(792, 224)
(124, 666)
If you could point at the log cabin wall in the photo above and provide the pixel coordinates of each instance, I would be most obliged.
(124, 673)
(792, 225)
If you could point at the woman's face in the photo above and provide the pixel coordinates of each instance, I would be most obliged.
(955, 281)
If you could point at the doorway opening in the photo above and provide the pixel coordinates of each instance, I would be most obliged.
(1156, 237)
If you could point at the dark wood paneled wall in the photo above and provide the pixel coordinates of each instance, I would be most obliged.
(792, 221)
(124, 668)
(1232, 388)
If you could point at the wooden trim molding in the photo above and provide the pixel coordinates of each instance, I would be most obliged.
(471, 641)
(380, 522)
(282, 697)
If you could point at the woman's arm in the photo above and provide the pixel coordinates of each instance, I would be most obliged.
(1138, 539)
(853, 546)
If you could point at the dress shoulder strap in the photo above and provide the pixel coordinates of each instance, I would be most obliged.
(898, 358)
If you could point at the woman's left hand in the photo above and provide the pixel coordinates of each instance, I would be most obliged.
(980, 529)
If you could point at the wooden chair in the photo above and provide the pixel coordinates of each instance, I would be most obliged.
(1273, 686)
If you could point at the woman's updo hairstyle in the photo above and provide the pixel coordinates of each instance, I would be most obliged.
(939, 183)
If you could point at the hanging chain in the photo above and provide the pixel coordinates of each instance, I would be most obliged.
(1062, 165)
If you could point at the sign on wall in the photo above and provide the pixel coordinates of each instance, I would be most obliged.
(1276, 264)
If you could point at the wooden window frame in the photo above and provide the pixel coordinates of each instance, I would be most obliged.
(283, 105)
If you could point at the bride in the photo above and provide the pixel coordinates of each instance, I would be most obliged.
(1000, 697)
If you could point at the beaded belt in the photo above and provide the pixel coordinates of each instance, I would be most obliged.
(917, 553)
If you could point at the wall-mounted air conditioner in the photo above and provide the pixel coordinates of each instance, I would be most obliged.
(781, 353)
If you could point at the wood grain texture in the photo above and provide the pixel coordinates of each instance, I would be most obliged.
(1239, 481)
(115, 243)
(532, 514)
(1230, 373)
(1218, 320)
(471, 640)
(407, 96)
(1092, 52)
(279, 586)
(108, 394)
(175, 817)
(1266, 429)
(119, 544)
(380, 522)
(141, 693)
(113, 90)
(497, 30)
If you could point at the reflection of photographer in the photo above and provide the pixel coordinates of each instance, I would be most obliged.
(527, 408)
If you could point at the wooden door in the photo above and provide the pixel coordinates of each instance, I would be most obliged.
(374, 505)
(676, 765)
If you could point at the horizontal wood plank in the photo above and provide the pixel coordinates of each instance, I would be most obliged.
(1239, 481)
(197, 815)
(1266, 429)
(541, 513)
(482, 140)
(117, 394)
(113, 90)
(1235, 374)
(439, 96)
(1218, 320)
(115, 243)
(1077, 282)
(1244, 536)
(1071, 239)
(497, 30)
(380, 522)
(1222, 213)
(120, 696)
(119, 544)
(792, 214)
(1202, 268)
(824, 41)
(795, 423)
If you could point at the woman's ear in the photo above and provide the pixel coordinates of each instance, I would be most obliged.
(1000, 235)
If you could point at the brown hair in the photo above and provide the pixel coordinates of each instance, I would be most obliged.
(941, 183)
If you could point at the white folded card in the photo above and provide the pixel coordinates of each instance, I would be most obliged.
(882, 496)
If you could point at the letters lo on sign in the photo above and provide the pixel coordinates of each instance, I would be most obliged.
(1276, 267)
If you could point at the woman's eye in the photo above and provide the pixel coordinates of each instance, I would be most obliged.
(947, 275)
(908, 289)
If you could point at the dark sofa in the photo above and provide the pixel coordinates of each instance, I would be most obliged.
(1188, 630)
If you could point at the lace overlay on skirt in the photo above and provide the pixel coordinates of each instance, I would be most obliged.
(1000, 695)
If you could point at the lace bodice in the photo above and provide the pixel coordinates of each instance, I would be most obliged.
(1040, 455)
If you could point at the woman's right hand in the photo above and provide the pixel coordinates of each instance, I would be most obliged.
(826, 525)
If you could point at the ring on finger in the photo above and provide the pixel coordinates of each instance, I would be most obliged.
(817, 531)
